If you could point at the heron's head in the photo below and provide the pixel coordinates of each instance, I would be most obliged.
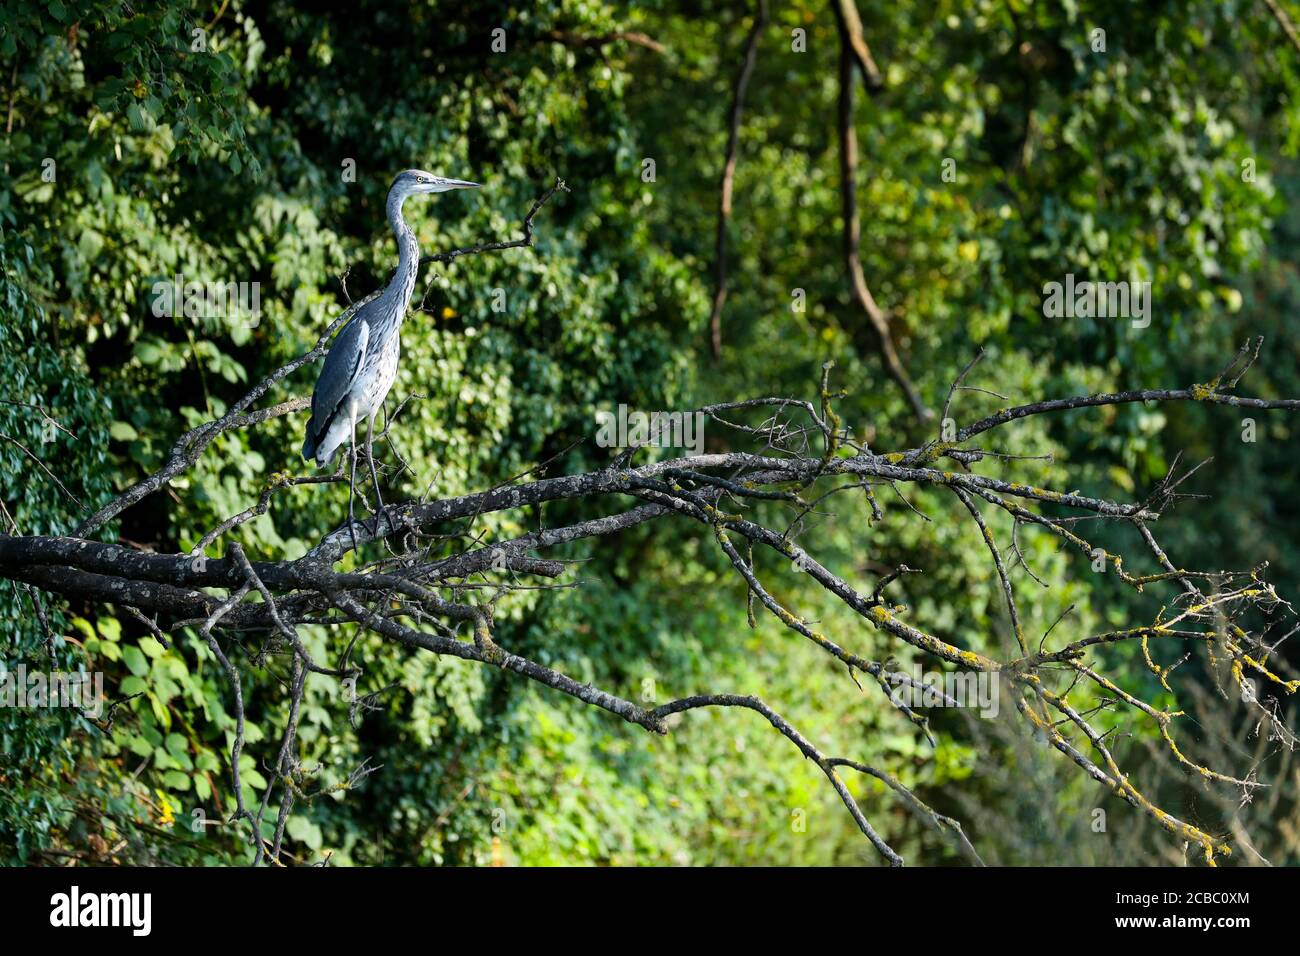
(413, 182)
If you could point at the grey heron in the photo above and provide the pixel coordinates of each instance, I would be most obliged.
(362, 361)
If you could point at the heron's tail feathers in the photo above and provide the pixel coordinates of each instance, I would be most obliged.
(321, 449)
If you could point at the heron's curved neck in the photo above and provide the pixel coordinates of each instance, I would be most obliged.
(408, 251)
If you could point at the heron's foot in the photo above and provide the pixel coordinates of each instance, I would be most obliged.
(380, 513)
(352, 527)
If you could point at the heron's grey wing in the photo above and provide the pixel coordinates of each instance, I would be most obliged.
(342, 364)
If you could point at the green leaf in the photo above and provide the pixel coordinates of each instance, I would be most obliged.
(305, 831)
(253, 778)
(160, 712)
(135, 660)
(150, 645)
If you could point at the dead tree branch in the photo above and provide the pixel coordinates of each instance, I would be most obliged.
(852, 225)
(437, 587)
(729, 173)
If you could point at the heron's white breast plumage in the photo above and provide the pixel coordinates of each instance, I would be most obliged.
(369, 389)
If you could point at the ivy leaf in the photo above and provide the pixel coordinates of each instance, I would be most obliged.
(135, 660)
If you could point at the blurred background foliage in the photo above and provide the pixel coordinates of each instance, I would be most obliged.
(147, 139)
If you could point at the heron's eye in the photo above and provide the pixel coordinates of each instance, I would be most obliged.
(421, 179)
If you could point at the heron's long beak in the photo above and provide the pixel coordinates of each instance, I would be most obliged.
(461, 184)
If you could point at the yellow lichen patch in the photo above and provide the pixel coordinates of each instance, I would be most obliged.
(1291, 686)
(1120, 782)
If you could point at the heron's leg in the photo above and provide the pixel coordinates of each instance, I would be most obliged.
(352, 475)
(374, 477)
